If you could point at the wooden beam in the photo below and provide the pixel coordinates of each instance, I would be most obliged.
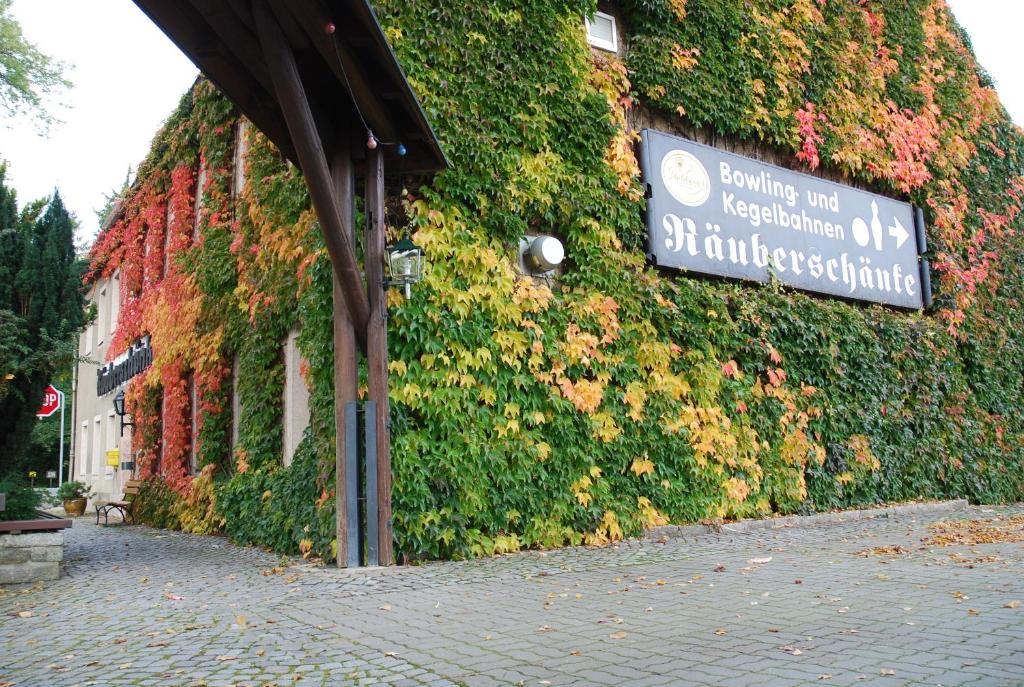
(190, 32)
(313, 18)
(377, 347)
(346, 364)
(291, 96)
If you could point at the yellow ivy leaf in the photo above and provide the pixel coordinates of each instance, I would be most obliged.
(642, 466)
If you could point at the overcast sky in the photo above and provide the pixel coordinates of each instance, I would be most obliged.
(129, 77)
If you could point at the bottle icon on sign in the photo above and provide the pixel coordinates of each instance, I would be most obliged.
(876, 226)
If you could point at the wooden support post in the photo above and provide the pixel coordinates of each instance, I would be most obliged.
(291, 95)
(377, 345)
(346, 364)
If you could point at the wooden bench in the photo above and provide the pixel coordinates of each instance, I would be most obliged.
(131, 490)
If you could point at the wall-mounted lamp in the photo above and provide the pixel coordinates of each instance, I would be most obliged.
(119, 409)
(542, 254)
(406, 262)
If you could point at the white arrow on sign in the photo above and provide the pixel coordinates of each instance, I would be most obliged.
(899, 232)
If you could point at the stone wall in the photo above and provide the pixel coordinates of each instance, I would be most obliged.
(30, 557)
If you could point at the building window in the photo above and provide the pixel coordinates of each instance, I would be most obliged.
(115, 301)
(97, 444)
(601, 32)
(241, 148)
(167, 237)
(111, 431)
(101, 311)
(296, 398)
(200, 183)
(193, 411)
(158, 467)
(236, 407)
(84, 459)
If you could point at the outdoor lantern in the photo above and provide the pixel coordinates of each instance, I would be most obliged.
(119, 403)
(405, 264)
(119, 409)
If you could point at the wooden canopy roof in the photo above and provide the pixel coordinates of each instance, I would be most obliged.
(349, 72)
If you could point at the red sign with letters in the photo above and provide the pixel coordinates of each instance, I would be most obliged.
(51, 402)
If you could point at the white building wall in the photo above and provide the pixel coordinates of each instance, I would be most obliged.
(98, 426)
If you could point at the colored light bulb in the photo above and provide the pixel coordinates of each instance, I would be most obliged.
(371, 142)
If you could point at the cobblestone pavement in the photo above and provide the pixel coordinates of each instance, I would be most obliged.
(138, 606)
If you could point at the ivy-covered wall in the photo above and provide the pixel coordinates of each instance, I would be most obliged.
(528, 415)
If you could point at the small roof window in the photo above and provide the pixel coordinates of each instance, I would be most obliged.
(601, 32)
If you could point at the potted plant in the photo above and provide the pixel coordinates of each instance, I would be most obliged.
(73, 496)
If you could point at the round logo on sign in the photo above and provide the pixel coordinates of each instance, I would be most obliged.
(685, 178)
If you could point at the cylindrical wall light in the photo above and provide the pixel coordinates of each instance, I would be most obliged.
(544, 254)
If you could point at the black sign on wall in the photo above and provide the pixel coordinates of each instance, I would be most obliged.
(717, 213)
(130, 363)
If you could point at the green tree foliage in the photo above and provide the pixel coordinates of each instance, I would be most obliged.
(26, 74)
(41, 311)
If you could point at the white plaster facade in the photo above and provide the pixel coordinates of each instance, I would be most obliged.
(96, 426)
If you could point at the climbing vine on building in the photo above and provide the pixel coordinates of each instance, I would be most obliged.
(531, 414)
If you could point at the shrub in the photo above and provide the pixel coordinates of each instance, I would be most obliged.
(22, 501)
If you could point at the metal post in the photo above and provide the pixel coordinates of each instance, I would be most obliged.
(373, 551)
(353, 559)
(60, 452)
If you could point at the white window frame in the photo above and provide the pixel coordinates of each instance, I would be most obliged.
(101, 311)
(168, 221)
(193, 404)
(115, 300)
(236, 407)
(295, 406)
(198, 209)
(241, 148)
(85, 460)
(97, 444)
(601, 43)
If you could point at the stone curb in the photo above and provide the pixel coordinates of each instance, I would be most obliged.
(791, 521)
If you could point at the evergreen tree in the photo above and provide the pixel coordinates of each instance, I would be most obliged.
(41, 313)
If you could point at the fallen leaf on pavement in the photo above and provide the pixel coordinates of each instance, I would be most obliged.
(386, 607)
(25, 614)
(173, 597)
(719, 632)
(1012, 604)
(719, 568)
(790, 649)
(883, 551)
(617, 635)
(760, 561)
(227, 658)
(972, 532)
(260, 652)
(241, 621)
(887, 671)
